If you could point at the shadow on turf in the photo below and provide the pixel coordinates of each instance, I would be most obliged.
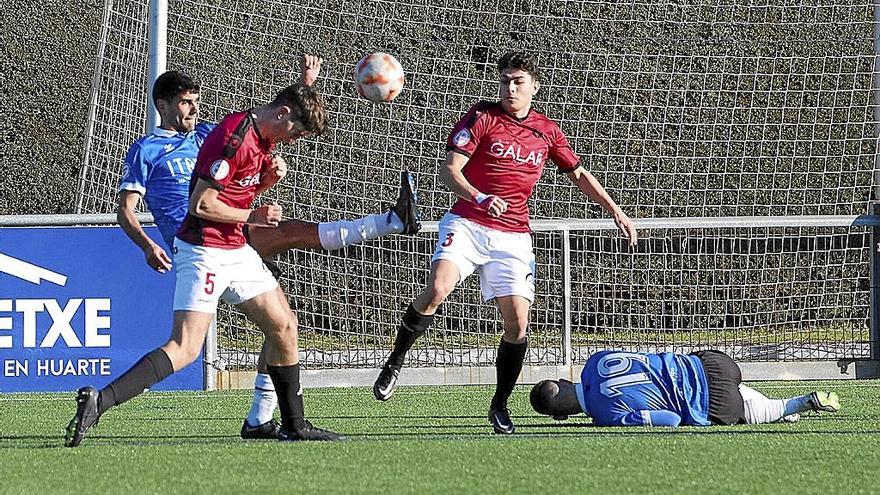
(50, 442)
(522, 432)
(481, 417)
(429, 430)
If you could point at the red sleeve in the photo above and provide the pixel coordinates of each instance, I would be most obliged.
(466, 134)
(211, 166)
(561, 153)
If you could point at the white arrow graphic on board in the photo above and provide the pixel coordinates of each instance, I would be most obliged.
(27, 271)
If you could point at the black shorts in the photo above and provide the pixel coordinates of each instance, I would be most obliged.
(724, 376)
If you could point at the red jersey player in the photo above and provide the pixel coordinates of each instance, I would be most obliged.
(214, 261)
(495, 156)
(162, 179)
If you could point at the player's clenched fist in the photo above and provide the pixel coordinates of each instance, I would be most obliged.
(491, 203)
(276, 171)
(265, 216)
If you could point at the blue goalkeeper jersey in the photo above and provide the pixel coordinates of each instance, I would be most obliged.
(635, 389)
(159, 167)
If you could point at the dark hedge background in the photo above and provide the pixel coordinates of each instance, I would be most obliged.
(691, 108)
(48, 56)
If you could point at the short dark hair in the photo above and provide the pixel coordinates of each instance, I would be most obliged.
(547, 397)
(306, 104)
(171, 84)
(541, 397)
(522, 61)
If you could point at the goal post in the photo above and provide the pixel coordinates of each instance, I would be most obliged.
(814, 327)
(158, 37)
(779, 293)
(705, 121)
(875, 288)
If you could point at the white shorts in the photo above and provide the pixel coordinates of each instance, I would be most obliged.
(206, 275)
(504, 260)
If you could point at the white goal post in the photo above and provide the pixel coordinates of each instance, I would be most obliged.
(741, 136)
(793, 335)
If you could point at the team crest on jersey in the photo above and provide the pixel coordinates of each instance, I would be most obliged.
(462, 138)
(219, 169)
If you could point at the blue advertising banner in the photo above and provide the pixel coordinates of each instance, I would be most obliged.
(79, 306)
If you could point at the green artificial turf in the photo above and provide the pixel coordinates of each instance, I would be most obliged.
(432, 440)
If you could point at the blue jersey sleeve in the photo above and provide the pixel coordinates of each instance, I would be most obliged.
(202, 131)
(650, 418)
(134, 170)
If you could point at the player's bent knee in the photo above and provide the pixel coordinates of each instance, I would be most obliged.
(515, 336)
(438, 291)
(516, 329)
(285, 331)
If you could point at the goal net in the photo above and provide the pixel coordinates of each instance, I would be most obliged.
(702, 112)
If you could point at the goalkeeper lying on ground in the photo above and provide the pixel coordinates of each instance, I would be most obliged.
(641, 389)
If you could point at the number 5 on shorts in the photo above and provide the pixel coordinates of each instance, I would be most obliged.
(209, 283)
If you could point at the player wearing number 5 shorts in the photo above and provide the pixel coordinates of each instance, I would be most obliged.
(158, 170)
(495, 155)
(641, 389)
(214, 261)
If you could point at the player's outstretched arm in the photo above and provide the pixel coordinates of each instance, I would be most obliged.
(452, 177)
(311, 67)
(650, 418)
(591, 187)
(155, 256)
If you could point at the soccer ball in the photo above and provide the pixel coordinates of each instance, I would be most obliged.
(378, 77)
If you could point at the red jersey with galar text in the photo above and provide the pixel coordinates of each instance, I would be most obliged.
(507, 156)
(232, 159)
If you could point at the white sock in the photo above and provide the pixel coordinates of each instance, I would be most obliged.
(759, 408)
(797, 404)
(341, 233)
(265, 400)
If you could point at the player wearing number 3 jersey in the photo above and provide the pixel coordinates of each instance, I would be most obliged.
(495, 156)
(641, 389)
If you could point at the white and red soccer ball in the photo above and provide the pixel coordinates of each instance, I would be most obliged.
(378, 77)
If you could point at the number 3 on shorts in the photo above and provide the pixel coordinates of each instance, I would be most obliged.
(448, 240)
(209, 283)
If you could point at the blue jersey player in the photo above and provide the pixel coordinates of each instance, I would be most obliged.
(703, 388)
(158, 169)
